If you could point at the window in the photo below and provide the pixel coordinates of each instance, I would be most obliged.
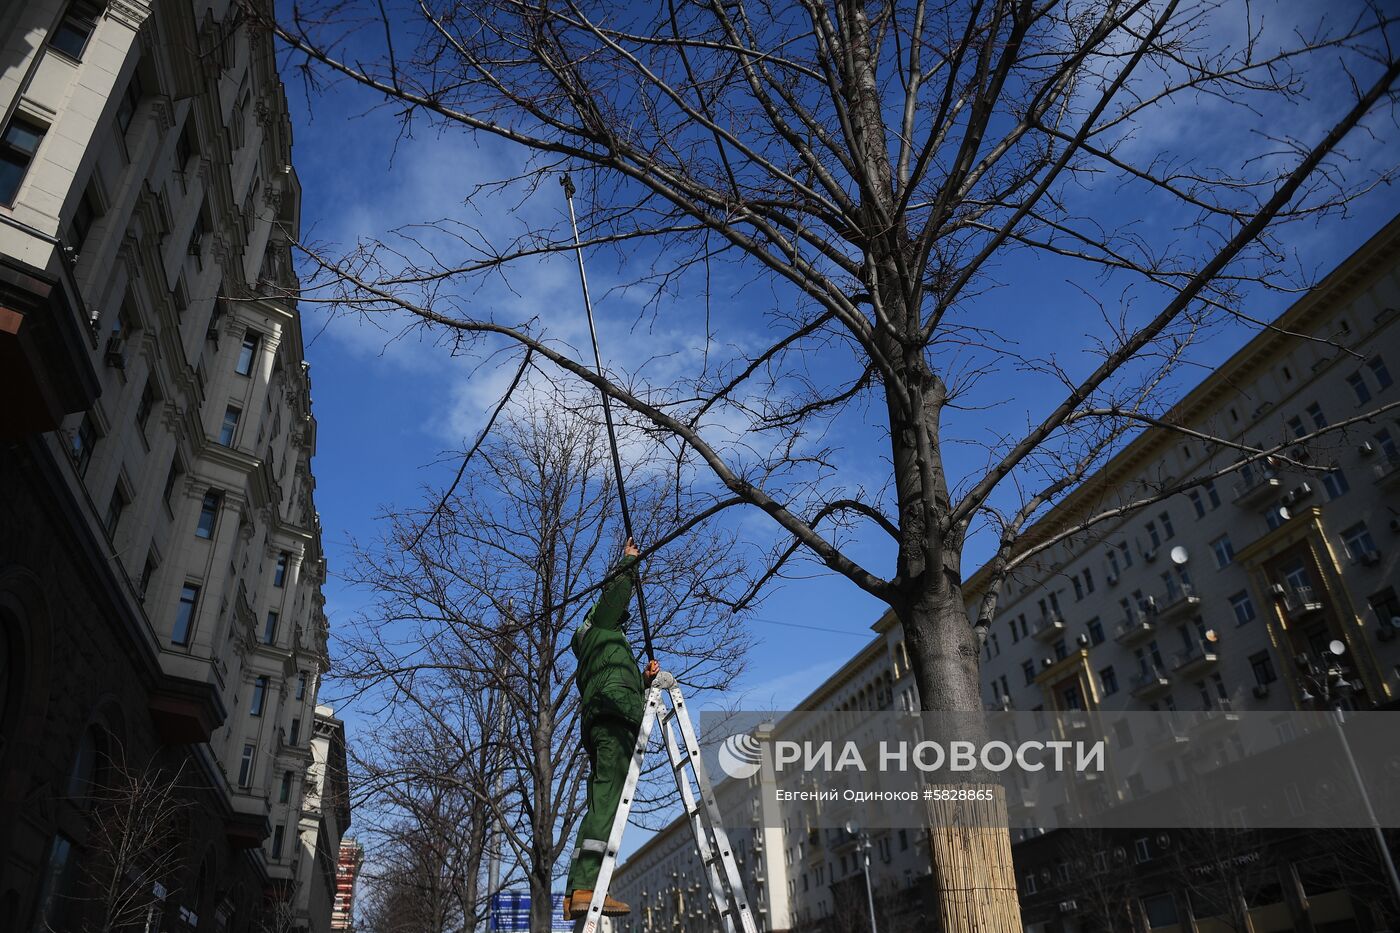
(301, 685)
(84, 216)
(1095, 629)
(1167, 530)
(279, 834)
(115, 506)
(144, 407)
(185, 146)
(1212, 494)
(1387, 444)
(1112, 557)
(279, 574)
(1078, 588)
(1224, 551)
(147, 572)
(71, 36)
(131, 98)
(208, 514)
(198, 234)
(1243, 607)
(1028, 669)
(1153, 535)
(1088, 580)
(184, 616)
(1319, 420)
(1295, 424)
(1386, 607)
(1378, 369)
(1197, 503)
(1140, 847)
(1335, 482)
(1126, 553)
(18, 145)
(247, 353)
(284, 793)
(230, 426)
(1359, 387)
(56, 885)
(1109, 679)
(1263, 666)
(259, 696)
(84, 443)
(171, 478)
(1061, 649)
(295, 736)
(1159, 908)
(270, 628)
(245, 765)
(1359, 543)
(1028, 883)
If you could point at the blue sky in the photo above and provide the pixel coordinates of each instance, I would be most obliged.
(388, 406)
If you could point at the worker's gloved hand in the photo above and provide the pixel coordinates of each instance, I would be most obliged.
(650, 671)
(630, 549)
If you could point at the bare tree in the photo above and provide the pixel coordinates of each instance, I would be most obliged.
(861, 170)
(477, 594)
(135, 844)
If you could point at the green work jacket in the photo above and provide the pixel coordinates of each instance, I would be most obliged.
(609, 681)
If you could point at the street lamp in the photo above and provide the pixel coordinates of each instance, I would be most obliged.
(863, 847)
(1333, 691)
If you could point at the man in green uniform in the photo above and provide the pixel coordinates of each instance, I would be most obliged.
(612, 693)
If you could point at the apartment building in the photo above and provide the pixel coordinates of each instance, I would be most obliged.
(160, 553)
(1227, 596)
(1212, 598)
(347, 874)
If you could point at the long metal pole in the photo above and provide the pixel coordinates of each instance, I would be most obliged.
(1338, 718)
(869, 891)
(568, 184)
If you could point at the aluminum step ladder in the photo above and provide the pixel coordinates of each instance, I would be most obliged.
(711, 841)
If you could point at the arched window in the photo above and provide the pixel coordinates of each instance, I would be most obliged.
(90, 765)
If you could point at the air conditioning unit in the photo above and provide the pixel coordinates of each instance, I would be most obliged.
(1082, 641)
(1366, 448)
(1261, 691)
(1047, 662)
(1149, 604)
(115, 354)
(1150, 556)
(1278, 590)
(1302, 491)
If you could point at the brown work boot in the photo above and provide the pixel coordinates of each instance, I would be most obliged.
(576, 906)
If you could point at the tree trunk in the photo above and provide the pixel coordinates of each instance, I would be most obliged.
(969, 842)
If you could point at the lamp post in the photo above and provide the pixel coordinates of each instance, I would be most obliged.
(863, 847)
(1326, 686)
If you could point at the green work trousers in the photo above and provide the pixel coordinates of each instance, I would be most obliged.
(609, 742)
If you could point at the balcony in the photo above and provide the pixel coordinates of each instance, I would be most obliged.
(1181, 604)
(1048, 627)
(1196, 660)
(1387, 472)
(1299, 602)
(1167, 735)
(1149, 683)
(1220, 713)
(1256, 486)
(1132, 630)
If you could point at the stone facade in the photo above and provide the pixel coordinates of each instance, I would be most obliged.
(160, 554)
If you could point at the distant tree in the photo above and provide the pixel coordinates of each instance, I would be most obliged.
(857, 178)
(466, 649)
